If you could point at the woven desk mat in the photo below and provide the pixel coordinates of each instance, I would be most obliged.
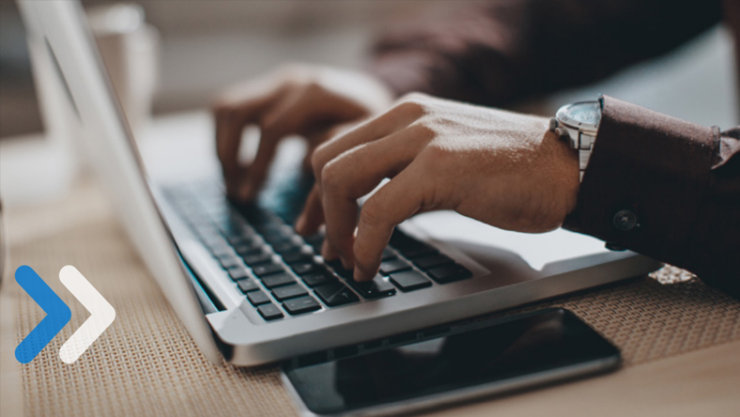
(147, 364)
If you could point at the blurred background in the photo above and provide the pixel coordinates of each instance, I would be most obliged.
(204, 46)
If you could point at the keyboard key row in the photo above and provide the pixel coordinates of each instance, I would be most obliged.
(235, 242)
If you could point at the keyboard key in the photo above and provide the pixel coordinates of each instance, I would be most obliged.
(303, 268)
(286, 246)
(238, 272)
(267, 269)
(288, 291)
(318, 278)
(258, 258)
(276, 280)
(343, 272)
(297, 256)
(278, 235)
(239, 235)
(270, 311)
(229, 261)
(335, 294)
(376, 288)
(247, 285)
(409, 246)
(301, 305)
(220, 249)
(449, 273)
(248, 247)
(421, 250)
(315, 241)
(393, 265)
(430, 261)
(409, 280)
(257, 298)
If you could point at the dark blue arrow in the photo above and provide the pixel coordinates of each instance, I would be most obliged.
(57, 314)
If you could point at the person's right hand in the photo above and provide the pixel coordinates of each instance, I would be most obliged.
(309, 101)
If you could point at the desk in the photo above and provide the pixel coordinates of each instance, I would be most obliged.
(680, 341)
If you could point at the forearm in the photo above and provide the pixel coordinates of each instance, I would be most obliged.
(665, 188)
(506, 49)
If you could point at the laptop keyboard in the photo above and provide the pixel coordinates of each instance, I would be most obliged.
(282, 273)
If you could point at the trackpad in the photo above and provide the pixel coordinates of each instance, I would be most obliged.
(488, 245)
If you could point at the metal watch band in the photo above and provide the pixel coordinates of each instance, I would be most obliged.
(584, 146)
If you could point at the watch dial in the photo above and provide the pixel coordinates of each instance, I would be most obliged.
(586, 113)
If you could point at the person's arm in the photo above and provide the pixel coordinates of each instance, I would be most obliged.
(502, 50)
(657, 185)
(665, 188)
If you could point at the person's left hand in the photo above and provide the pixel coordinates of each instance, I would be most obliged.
(502, 168)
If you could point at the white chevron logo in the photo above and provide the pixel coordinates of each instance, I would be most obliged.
(102, 314)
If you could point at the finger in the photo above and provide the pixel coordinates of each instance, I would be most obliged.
(357, 172)
(230, 119)
(284, 117)
(312, 215)
(227, 141)
(396, 201)
(393, 120)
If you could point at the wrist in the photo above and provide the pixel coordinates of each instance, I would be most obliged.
(567, 173)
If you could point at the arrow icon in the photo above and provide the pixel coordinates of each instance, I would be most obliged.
(102, 314)
(58, 314)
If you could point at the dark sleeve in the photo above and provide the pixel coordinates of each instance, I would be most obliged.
(665, 188)
(491, 53)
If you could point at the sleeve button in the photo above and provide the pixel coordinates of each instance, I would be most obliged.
(625, 220)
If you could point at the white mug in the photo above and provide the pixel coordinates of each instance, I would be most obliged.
(129, 49)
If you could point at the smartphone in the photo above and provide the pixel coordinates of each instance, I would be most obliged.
(448, 364)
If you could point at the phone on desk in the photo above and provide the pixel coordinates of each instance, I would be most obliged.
(448, 364)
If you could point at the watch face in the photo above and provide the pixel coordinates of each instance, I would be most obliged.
(586, 114)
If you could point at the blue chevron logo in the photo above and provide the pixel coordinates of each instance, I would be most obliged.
(58, 314)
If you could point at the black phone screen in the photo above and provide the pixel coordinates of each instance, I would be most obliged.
(492, 351)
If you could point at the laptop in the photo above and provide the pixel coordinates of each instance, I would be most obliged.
(248, 288)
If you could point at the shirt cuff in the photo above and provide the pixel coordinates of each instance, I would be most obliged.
(643, 185)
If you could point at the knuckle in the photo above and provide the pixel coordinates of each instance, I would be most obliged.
(412, 104)
(331, 176)
(318, 158)
(420, 129)
(414, 97)
(371, 215)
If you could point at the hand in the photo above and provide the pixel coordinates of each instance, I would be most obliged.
(502, 168)
(309, 101)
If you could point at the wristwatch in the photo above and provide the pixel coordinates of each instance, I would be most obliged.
(578, 123)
